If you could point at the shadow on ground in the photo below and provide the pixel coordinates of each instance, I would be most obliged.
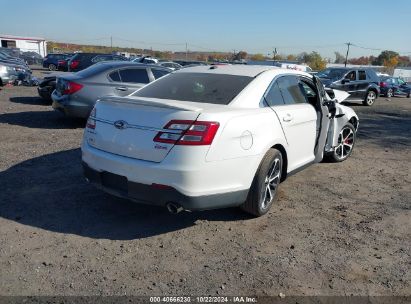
(49, 192)
(41, 120)
(30, 100)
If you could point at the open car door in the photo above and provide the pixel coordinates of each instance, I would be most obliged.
(327, 114)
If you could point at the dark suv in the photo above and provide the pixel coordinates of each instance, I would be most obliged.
(361, 84)
(80, 61)
(51, 60)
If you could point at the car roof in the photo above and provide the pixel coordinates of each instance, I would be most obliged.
(119, 64)
(240, 70)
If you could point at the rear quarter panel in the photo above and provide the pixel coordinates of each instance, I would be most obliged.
(244, 139)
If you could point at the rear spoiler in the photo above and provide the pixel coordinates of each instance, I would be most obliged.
(152, 102)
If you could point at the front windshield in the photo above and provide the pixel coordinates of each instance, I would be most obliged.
(332, 73)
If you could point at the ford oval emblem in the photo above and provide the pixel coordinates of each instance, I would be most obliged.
(120, 124)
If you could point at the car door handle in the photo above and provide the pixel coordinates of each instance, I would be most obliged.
(288, 117)
(121, 88)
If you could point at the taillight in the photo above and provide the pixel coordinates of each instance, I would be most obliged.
(61, 62)
(74, 64)
(71, 88)
(383, 84)
(188, 132)
(91, 121)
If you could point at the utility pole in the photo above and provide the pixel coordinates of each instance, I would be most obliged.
(111, 43)
(186, 51)
(346, 56)
(275, 53)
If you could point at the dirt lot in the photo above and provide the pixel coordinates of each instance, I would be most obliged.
(337, 229)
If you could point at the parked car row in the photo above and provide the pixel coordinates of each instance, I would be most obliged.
(363, 84)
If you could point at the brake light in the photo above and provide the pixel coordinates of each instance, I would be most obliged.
(61, 62)
(188, 132)
(383, 84)
(71, 88)
(91, 121)
(74, 64)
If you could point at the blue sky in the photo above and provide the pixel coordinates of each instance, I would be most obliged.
(255, 26)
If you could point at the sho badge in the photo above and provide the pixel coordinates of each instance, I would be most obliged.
(120, 124)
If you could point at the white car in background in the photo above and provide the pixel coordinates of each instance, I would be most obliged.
(212, 137)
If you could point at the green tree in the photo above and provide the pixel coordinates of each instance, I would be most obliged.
(385, 56)
(339, 58)
(314, 60)
(291, 57)
(240, 55)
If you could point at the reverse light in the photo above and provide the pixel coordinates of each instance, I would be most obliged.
(91, 121)
(193, 133)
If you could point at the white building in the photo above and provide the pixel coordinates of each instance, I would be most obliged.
(25, 44)
(404, 73)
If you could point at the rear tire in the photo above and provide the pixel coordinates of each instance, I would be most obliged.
(52, 67)
(264, 189)
(390, 93)
(370, 98)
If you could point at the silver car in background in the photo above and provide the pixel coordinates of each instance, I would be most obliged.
(76, 93)
(8, 74)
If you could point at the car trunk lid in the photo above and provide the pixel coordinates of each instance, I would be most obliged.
(127, 126)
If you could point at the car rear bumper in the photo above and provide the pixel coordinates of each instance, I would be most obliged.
(193, 183)
(159, 195)
(70, 108)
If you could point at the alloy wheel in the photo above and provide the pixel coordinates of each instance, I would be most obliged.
(371, 96)
(390, 93)
(345, 143)
(271, 182)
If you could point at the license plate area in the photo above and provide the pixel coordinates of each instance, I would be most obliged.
(114, 181)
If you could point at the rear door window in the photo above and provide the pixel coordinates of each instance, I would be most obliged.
(134, 75)
(362, 75)
(273, 96)
(114, 76)
(291, 90)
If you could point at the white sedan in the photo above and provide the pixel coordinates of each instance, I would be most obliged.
(212, 137)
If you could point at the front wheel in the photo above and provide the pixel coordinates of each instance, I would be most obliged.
(370, 98)
(264, 188)
(346, 142)
(52, 67)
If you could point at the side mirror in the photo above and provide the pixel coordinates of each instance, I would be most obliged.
(345, 80)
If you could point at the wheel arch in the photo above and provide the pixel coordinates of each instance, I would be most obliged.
(283, 152)
(373, 89)
(354, 121)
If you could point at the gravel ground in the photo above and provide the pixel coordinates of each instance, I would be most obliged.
(337, 229)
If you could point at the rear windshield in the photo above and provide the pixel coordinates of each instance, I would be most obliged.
(196, 87)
